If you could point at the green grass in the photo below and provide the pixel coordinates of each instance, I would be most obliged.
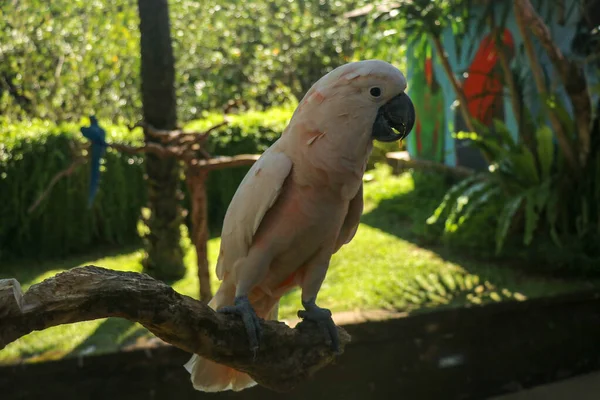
(392, 263)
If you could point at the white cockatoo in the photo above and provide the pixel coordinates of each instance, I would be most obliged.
(301, 201)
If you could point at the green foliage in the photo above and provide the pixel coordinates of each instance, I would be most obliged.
(257, 53)
(387, 31)
(71, 58)
(514, 179)
(64, 59)
(31, 154)
(529, 190)
(380, 37)
(430, 17)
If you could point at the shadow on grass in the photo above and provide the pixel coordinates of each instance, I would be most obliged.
(486, 276)
(112, 335)
(109, 335)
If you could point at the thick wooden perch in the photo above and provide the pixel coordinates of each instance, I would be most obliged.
(287, 356)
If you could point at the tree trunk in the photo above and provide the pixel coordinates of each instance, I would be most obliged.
(164, 259)
(196, 182)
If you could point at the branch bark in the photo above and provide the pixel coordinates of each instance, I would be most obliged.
(287, 356)
(221, 162)
(570, 73)
(65, 172)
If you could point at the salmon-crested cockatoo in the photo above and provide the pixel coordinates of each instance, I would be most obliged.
(302, 201)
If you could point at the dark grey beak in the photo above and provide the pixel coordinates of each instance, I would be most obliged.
(395, 119)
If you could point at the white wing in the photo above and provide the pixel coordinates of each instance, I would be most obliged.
(257, 192)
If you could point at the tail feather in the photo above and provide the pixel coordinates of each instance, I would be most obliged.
(207, 375)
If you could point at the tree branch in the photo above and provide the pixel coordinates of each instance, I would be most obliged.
(78, 160)
(152, 148)
(287, 356)
(221, 162)
(167, 136)
(463, 104)
(66, 172)
(570, 73)
(564, 142)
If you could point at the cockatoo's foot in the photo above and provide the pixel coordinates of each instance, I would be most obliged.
(322, 317)
(244, 309)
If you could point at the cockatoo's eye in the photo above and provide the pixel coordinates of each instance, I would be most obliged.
(375, 91)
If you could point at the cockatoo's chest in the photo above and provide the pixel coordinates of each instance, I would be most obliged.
(305, 228)
(313, 220)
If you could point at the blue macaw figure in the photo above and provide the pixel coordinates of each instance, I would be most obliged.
(96, 135)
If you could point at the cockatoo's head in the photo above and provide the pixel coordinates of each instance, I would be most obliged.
(364, 98)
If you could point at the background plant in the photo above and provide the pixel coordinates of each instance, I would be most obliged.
(543, 184)
(33, 152)
(65, 59)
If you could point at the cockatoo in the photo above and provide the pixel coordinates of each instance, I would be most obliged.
(97, 136)
(302, 201)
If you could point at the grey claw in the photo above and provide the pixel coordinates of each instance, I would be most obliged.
(243, 308)
(322, 317)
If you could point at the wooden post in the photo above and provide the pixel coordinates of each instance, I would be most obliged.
(196, 183)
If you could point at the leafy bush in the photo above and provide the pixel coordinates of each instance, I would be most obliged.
(528, 192)
(514, 179)
(64, 58)
(32, 153)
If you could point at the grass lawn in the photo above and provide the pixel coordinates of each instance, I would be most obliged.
(388, 265)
